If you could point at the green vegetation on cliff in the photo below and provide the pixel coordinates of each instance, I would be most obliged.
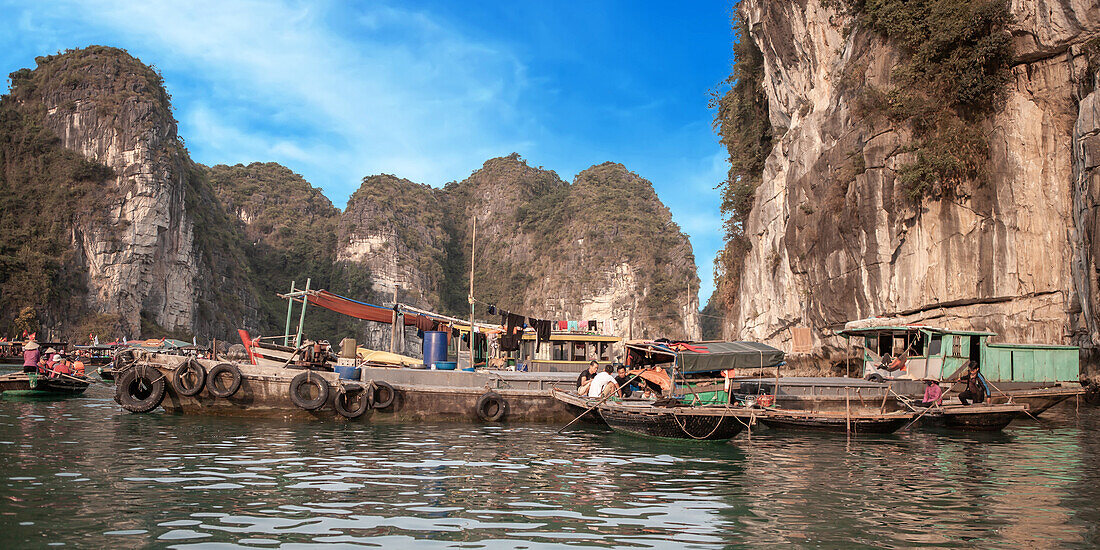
(742, 123)
(958, 55)
(290, 231)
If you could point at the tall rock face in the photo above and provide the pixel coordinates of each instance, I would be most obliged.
(135, 258)
(835, 236)
(289, 231)
(602, 248)
(396, 230)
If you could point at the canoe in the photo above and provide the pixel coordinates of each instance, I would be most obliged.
(705, 423)
(982, 417)
(21, 383)
(832, 421)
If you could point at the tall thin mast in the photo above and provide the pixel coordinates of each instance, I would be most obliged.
(473, 247)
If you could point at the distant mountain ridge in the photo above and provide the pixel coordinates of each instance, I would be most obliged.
(111, 228)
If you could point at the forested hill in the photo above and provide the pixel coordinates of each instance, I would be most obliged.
(110, 228)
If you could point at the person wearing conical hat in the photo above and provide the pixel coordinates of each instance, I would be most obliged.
(31, 354)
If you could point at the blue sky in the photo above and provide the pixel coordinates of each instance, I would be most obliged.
(426, 90)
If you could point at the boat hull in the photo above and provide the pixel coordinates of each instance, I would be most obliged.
(875, 424)
(22, 384)
(419, 395)
(668, 423)
(973, 418)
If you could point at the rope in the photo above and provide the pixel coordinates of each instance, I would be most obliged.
(689, 434)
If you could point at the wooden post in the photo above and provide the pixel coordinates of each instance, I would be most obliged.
(847, 359)
(289, 310)
(393, 325)
(847, 413)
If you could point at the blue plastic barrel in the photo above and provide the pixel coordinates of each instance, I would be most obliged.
(435, 347)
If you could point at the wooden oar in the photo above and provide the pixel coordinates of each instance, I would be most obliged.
(606, 397)
(1002, 392)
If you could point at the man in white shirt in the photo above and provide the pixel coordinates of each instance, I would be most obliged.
(599, 383)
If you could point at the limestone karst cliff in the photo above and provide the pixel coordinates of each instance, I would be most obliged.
(603, 247)
(122, 254)
(839, 228)
(110, 228)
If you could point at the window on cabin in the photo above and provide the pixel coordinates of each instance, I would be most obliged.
(956, 346)
(578, 351)
(936, 345)
(560, 352)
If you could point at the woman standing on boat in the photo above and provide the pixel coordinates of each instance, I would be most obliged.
(31, 355)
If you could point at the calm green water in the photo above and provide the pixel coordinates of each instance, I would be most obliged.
(81, 472)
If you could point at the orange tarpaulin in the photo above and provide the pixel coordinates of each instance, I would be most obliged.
(367, 312)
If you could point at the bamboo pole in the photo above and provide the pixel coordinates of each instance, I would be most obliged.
(847, 413)
(289, 310)
(302, 317)
(393, 325)
(473, 249)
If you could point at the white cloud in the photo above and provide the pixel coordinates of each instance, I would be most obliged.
(382, 90)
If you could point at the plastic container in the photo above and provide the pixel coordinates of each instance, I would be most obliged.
(435, 347)
(347, 373)
(468, 369)
(445, 365)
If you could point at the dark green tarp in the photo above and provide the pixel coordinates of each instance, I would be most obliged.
(729, 355)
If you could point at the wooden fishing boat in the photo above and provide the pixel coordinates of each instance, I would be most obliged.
(835, 421)
(36, 385)
(982, 417)
(1038, 400)
(706, 423)
(579, 404)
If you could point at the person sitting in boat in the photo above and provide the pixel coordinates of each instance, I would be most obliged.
(61, 365)
(585, 379)
(31, 355)
(933, 394)
(524, 365)
(603, 383)
(976, 388)
(78, 367)
(625, 382)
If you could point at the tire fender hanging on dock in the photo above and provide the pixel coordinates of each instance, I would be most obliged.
(491, 406)
(140, 389)
(355, 409)
(189, 378)
(384, 394)
(218, 374)
(303, 380)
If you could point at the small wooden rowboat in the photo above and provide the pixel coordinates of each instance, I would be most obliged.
(36, 385)
(982, 417)
(645, 419)
(836, 421)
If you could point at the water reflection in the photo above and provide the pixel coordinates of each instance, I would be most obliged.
(80, 470)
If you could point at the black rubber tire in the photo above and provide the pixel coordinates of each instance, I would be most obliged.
(123, 358)
(384, 395)
(365, 401)
(311, 379)
(140, 389)
(875, 377)
(491, 407)
(215, 375)
(189, 378)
